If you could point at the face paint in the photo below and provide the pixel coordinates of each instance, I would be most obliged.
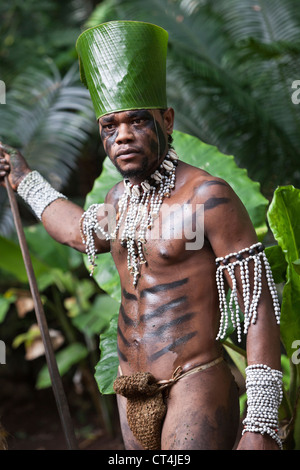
(160, 138)
(107, 137)
(138, 130)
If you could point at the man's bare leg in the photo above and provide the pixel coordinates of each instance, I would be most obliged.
(203, 411)
(130, 442)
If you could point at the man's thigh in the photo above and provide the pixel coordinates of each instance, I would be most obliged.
(130, 442)
(203, 411)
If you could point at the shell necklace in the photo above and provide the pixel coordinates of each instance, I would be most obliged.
(139, 206)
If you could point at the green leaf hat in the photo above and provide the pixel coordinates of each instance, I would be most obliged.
(123, 64)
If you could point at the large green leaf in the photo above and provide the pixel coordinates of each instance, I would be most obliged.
(11, 261)
(65, 358)
(192, 151)
(283, 217)
(197, 153)
(98, 316)
(5, 301)
(49, 251)
(107, 367)
(277, 262)
(296, 265)
(50, 260)
(142, 81)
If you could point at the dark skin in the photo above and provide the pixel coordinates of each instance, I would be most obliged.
(171, 317)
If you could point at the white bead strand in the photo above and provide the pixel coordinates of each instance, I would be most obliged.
(257, 255)
(37, 193)
(138, 208)
(88, 225)
(264, 395)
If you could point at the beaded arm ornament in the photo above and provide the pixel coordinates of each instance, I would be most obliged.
(37, 192)
(241, 260)
(264, 395)
(263, 384)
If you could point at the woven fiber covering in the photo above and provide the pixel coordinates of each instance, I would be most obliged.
(145, 407)
(123, 64)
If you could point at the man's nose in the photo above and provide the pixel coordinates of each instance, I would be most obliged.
(125, 133)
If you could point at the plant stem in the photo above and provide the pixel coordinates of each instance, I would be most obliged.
(233, 346)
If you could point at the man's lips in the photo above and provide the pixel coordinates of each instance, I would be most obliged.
(126, 153)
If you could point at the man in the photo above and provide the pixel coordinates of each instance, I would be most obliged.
(169, 321)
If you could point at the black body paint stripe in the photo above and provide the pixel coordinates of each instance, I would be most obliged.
(128, 295)
(121, 355)
(127, 320)
(213, 182)
(176, 322)
(124, 340)
(170, 347)
(163, 287)
(163, 308)
(214, 202)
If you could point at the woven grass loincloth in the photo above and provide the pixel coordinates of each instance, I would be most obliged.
(146, 407)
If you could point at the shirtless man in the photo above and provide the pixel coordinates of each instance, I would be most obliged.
(171, 317)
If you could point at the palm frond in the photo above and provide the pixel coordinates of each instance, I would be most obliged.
(230, 71)
(48, 118)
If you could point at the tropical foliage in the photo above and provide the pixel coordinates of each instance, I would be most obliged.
(49, 118)
(48, 113)
(232, 70)
(231, 66)
(76, 309)
(34, 32)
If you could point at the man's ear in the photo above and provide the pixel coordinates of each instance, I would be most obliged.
(168, 118)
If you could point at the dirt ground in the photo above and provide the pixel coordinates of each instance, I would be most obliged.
(30, 420)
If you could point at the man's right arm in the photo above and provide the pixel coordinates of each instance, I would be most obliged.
(61, 218)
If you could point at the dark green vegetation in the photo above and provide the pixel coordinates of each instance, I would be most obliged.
(233, 69)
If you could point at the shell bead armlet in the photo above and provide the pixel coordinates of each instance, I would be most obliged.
(264, 395)
(241, 261)
(37, 193)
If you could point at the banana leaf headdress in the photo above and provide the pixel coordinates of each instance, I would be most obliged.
(123, 64)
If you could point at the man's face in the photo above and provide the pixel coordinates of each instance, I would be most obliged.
(136, 140)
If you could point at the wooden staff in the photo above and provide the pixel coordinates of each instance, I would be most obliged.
(60, 397)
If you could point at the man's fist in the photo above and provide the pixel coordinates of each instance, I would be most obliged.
(13, 165)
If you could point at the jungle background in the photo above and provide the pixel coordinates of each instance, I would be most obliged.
(234, 81)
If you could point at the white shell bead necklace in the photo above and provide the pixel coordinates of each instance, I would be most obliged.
(139, 205)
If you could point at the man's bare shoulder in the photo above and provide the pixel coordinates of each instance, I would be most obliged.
(205, 185)
(115, 193)
(224, 212)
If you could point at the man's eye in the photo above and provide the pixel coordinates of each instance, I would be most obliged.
(138, 120)
(108, 127)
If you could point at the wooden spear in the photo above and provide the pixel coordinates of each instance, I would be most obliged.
(58, 390)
